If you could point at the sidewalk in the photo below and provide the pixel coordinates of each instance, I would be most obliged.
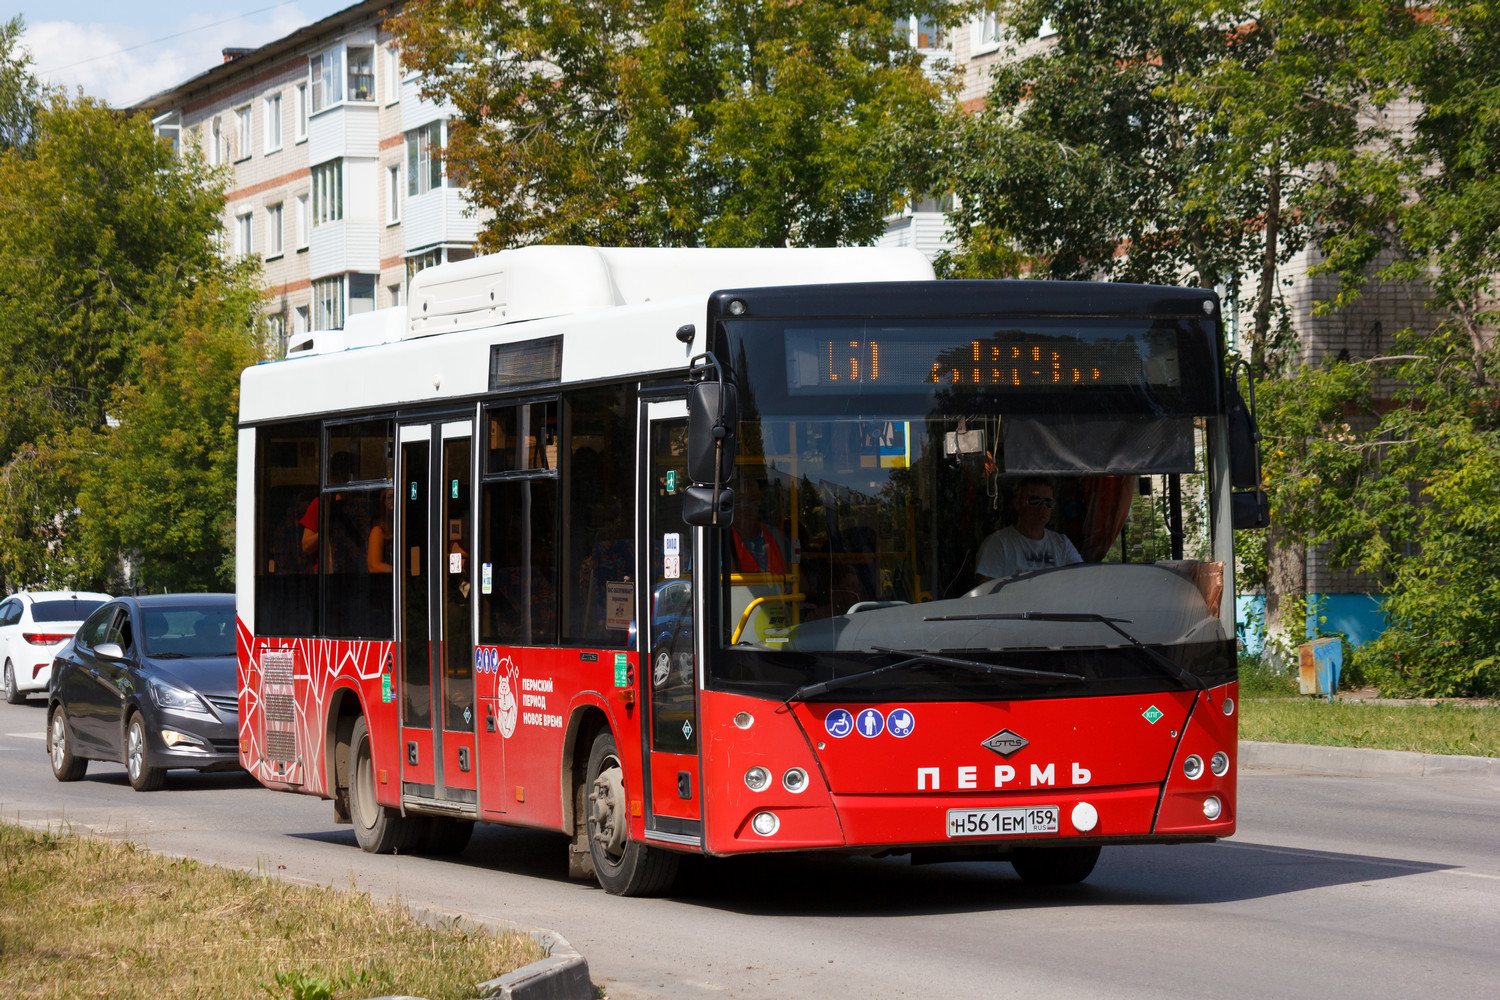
(1354, 763)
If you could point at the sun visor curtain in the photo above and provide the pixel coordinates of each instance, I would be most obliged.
(1063, 444)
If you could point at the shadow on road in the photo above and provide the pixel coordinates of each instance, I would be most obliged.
(1133, 876)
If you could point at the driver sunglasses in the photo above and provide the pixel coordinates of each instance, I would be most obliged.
(1040, 502)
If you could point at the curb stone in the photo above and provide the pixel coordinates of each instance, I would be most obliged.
(1358, 763)
(562, 975)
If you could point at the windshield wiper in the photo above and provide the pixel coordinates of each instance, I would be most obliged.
(918, 658)
(1178, 671)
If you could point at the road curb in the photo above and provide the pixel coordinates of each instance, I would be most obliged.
(562, 975)
(1352, 762)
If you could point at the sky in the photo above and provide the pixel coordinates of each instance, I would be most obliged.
(127, 50)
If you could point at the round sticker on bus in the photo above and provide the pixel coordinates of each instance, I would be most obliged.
(839, 723)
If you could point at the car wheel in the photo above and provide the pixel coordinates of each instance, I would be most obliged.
(65, 766)
(143, 777)
(13, 694)
(624, 867)
(1054, 865)
(379, 829)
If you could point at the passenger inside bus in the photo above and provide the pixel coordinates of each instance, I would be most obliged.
(1028, 544)
(756, 547)
(378, 549)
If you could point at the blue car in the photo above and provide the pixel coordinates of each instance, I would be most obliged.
(148, 682)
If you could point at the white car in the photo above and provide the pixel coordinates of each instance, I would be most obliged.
(33, 627)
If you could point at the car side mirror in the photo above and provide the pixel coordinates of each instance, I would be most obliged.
(109, 651)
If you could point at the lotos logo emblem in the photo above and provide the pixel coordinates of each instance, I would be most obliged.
(1005, 743)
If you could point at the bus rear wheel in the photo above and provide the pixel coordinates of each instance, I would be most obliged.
(1054, 865)
(379, 829)
(624, 867)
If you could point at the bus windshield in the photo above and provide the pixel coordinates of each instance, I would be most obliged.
(1060, 531)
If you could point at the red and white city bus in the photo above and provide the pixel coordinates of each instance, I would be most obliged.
(697, 552)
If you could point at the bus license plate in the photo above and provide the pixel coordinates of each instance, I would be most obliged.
(1002, 822)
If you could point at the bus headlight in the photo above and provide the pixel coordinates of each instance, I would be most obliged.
(1192, 767)
(794, 780)
(765, 823)
(757, 778)
(1219, 763)
(1212, 807)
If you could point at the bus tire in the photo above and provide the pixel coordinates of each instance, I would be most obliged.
(624, 867)
(379, 829)
(445, 836)
(1054, 865)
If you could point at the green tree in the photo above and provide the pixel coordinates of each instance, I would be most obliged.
(20, 91)
(114, 279)
(671, 122)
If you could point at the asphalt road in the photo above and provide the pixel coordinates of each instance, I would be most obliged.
(1333, 888)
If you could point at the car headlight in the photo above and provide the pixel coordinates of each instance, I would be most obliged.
(175, 699)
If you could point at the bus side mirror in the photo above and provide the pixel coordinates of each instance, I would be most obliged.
(1250, 509)
(713, 415)
(1244, 442)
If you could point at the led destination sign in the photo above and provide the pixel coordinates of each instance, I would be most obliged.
(830, 360)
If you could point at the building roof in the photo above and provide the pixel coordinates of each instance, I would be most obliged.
(227, 74)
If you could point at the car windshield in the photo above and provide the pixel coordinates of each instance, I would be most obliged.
(188, 630)
(70, 609)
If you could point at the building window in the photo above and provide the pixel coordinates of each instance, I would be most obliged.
(328, 303)
(393, 194)
(273, 123)
(301, 112)
(300, 320)
(432, 258)
(276, 334)
(328, 192)
(242, 133)
(327, 79)
(393, 75)
(361, 61)
(362, 293)
(424, 159)
(169, 129)
(304, 223)
(216, 155)
(393, 295)
(275, 236)
(244, 234)
(984, 33)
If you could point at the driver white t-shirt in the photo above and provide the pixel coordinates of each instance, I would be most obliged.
(1008, 552)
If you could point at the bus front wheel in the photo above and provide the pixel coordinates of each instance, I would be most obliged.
(624, 867)
(1054, 865)
(379, 829)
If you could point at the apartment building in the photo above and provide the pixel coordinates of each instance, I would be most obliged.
(336, 186)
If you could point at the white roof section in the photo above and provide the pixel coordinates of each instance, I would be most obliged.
(533, 282)
(617, 310)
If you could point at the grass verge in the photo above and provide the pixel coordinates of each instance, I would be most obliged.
(85, 917)
(1446, 729)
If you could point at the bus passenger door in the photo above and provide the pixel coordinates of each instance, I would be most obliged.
(668, 632)
(435, 536)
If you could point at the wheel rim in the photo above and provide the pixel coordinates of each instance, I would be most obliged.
(662, 668)
(607, 810)
(10, 680)
(364, 789)
(59, 740)
(135, 752)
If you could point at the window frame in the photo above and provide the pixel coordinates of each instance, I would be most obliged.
(275, 230)
(272, 109)
(328, 192)
(244, 121)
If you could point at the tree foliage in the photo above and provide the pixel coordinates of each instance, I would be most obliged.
(116, 294)
(669, 122)
(20, 91)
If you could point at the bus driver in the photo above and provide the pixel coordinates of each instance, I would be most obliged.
(1028, 544)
